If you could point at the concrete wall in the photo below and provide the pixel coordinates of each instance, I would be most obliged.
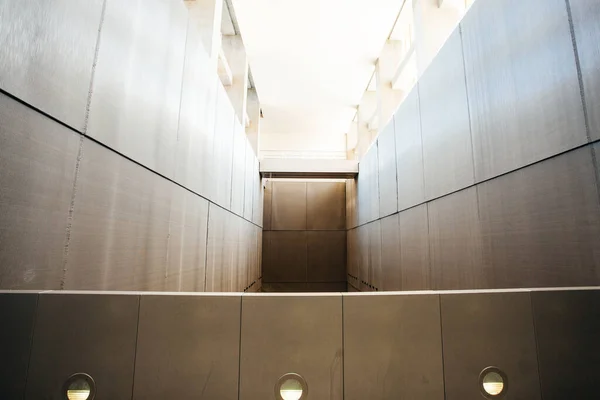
(123, 167)
(304, 239)
(487, 176)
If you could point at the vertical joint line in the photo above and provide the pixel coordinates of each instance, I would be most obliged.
(537, 347)
(240, 347)
(462, 51)
(35, 315)
(70, 214)
(579, 74)
(137, 334)
(182, 77)
(206, 245)
(442, 344)
(93, 76)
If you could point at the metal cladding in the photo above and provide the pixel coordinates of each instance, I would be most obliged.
(117, 140)
(496, 159)
(304, 240)
(434, 345)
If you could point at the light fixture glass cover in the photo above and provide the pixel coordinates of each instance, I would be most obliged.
(80, 387)
(493, 382)
(291, 386)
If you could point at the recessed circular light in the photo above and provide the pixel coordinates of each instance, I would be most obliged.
(79, 386)
(291, 386)
(493, 383)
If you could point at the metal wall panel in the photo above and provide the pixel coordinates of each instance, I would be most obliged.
(232, 241)
(375, 271)
(286, 257)
(414, 249)
(223, 148)
(325, 205)
(186, 257)
(456, 254)
(323, 287)
(188, 347)
(326, 256)
(215, 256)
(447, 151)
(351, 198)
(585, 14)
(243, 254)
(409, 152)
(48, 50)
(386, 170)
(489, 329)
(196, 118)
(304, 336)
(373, 163)
(135, 104)
(352, 258)
(596, 158)
(238, 173)
(38, 158)
(524, 94)
(362, 192)
(258, 201)
(541, 224)
(392, 347)
(391, 278)
(567, 327)
(288, 208)
(90, 333)
(267, 204)
(249, 182)
(364, 264)
(120, 225)
(17, 313)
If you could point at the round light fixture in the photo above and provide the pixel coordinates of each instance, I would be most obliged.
(291, 387)
(493, 383)
(79, 386)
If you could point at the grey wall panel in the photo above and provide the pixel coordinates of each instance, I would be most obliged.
(17, 313)
(373, 163)
(285, 287)
(288, 208)
(364, 262)
(388, 182)
(249, 182)
(94, 334)
(596, 153)
(243, 256)
(258, 200)
(38, 158)
(567, 327)
(409, 152)
(232, 244)
(375, 270)
(541, 224)
(186, 257)
(326, 256)
(447, 150)
(238, 173)
(48, 49)
(391, 278)
(362, 193)
(352, 258)
(215, 257)
(308, 341)
(120, 224)
(524, 94)
(585, 14)
(196, 118)
(456, 253)
(223, 149)
(286, 256)
(392, 347)
(135, 104)
(351, 198)
(191, 339)
(267, 204)
(414, 249)
(325, 205)
(489, 329)
(324, 287)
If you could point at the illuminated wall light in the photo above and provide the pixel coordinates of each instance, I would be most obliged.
(493, 382)
(80, 386)
(291, 387)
